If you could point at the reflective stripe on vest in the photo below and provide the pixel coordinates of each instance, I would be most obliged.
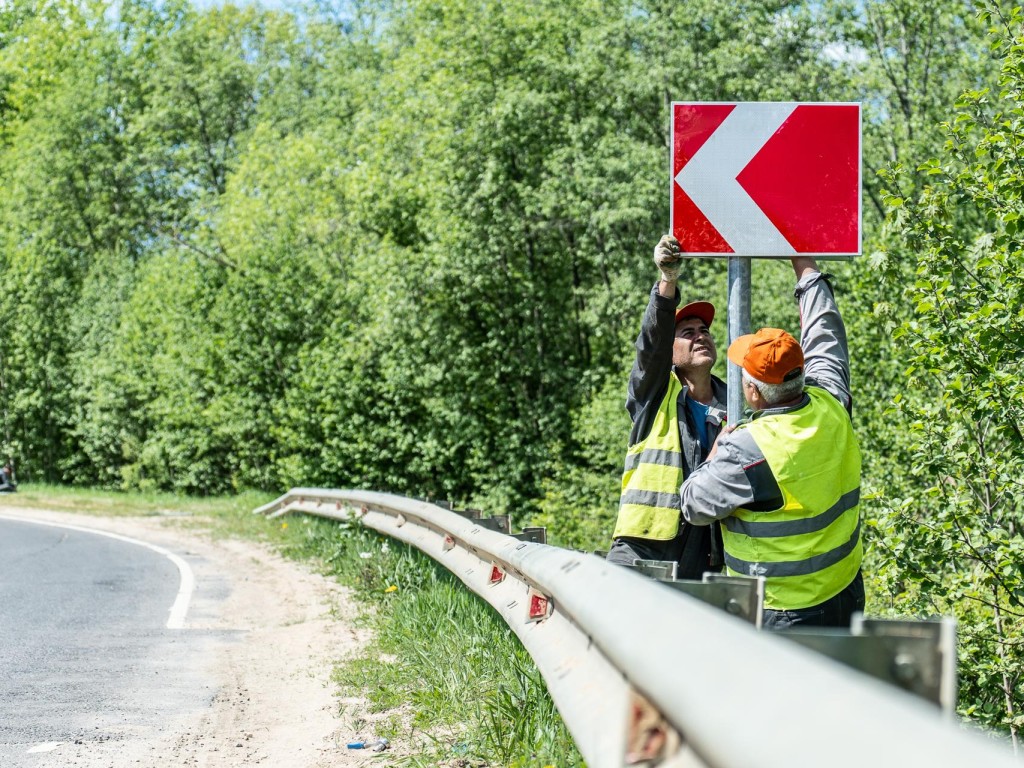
(810, 548)
(649, 506)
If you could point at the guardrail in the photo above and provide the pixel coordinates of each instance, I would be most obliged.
(644, 674)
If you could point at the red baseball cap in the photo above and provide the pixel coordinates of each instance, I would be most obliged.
(702, 310)
(771, 355)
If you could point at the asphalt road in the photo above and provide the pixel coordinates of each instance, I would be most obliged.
(85, 652)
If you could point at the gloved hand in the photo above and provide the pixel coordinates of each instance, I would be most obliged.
(666, 256)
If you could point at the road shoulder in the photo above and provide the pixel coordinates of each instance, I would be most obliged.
(275, 631)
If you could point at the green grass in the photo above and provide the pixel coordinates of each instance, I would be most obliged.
(443, 670)
(467, 688)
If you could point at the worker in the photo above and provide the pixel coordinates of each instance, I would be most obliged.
(677, 408)
(786, 484)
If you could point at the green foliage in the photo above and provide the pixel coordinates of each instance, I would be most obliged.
(271, 247)
(581, 498)
(955, 535)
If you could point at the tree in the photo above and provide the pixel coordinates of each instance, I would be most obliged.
(953, 545)
(70, 195)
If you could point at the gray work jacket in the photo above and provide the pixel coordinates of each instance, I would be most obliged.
(739, 475)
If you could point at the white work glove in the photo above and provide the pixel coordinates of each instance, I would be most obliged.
(666, 256)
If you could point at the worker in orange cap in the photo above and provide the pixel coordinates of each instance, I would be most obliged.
(677, 408)
(785, 485)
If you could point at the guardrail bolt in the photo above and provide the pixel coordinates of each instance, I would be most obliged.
(904, 669)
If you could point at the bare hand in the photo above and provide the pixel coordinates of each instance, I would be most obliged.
(726, 430)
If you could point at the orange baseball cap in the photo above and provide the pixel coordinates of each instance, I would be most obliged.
(771, 355)
(702, 310)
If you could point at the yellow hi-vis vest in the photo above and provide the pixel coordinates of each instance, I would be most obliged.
(649, 505)
(810, 548)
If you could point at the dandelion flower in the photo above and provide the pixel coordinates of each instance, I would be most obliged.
(392, 588)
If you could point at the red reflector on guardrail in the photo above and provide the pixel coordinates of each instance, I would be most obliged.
(497, 575)
(540, 606)
(449, 543)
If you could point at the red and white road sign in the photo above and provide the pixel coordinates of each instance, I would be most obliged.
(766, 178)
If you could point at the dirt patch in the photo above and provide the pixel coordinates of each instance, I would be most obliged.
(278, 629)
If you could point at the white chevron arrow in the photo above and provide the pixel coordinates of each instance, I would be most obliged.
(709, 178)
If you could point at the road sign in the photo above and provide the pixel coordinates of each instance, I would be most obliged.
(771, 179)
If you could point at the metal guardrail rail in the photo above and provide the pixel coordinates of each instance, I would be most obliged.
(644, 674)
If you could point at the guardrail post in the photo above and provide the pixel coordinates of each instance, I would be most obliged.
(918, 656)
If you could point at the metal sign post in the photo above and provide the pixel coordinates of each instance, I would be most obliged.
(739, 324)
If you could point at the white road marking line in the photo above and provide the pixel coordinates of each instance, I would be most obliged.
(46, 746)
(188, 581)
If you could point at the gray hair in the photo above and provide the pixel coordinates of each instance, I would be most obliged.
(774, 394)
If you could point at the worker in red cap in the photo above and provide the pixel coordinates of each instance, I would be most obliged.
(785, 485)
(677, 408)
